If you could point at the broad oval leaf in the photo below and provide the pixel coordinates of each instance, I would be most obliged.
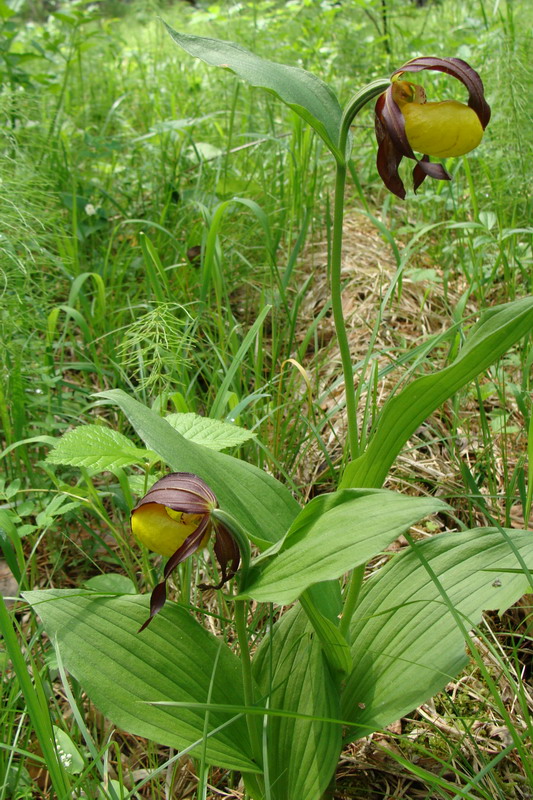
(406, 643)
(302, 91)
(334, 542)
(263, 506)
(497, 330)
(292, 675)
(174, 660)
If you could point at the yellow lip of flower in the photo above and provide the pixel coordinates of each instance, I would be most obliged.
(174, 519)
(444, 129)
(405, 122)
(163, 530)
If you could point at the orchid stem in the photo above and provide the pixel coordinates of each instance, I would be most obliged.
(338, 315)
(352, 109)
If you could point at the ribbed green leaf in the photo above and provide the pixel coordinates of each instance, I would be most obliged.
(96, 448)
(263, 506)
(123, 671)
(292, 674)
(211, 433)
(302, 91)
(406, 643)
(497, 330)
(334, 542)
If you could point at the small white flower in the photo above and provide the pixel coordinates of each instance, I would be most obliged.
(90, 210)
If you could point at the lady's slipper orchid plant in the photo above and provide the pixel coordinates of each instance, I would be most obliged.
(174, 519)
(406, 122)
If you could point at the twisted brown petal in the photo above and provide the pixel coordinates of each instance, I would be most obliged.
(227, 553)
(393, 144)
(392, 123)
(425, 168)
(388, 161)
(190, 545)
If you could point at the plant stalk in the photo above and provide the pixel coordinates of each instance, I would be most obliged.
(350, 112)
(352, 108)
(338, 316)
(36, 704)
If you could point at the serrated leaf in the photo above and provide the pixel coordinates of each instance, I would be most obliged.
(406, 643)
(96, 447)
(292, 675)
(332, 543)
(302, 91)
(212, 433)
(122, 671)
(140, 484)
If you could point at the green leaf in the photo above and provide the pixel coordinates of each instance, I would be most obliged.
(332, 543)
(111, 583)
(497, 330)
(120, 791)
(212, 433)
(5, 10)
(263, 506)
(68, 753)
(123, 671)
(302, 91)
(96, 448)
(406, 643)
(292, 675)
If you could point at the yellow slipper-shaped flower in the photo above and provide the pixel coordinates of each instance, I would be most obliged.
(405, 122)
(174, 519)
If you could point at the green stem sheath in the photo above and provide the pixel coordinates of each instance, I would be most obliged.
(351, 600)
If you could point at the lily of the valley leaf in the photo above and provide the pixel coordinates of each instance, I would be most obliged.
(174, 519)
(406, 122)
